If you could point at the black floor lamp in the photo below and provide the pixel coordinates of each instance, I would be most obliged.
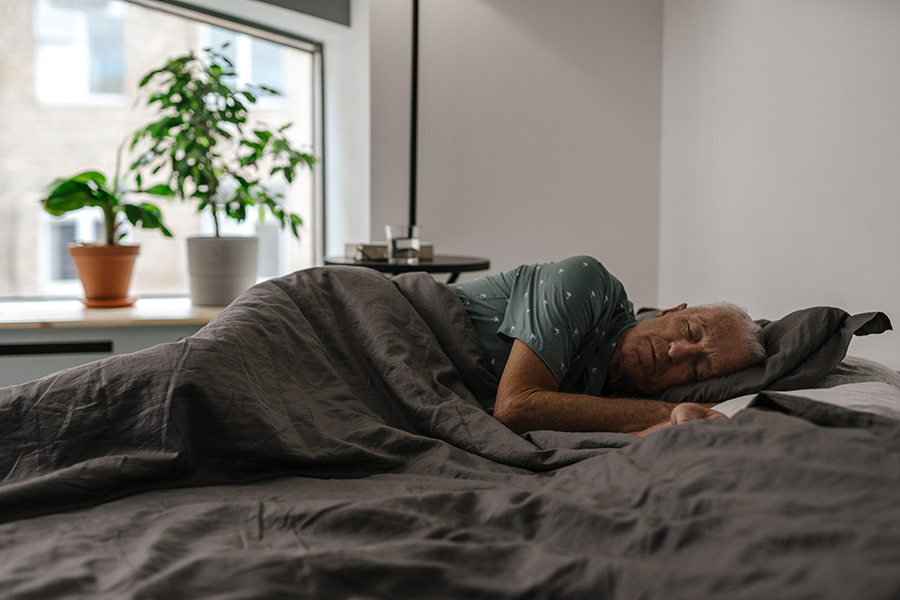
(414, 115)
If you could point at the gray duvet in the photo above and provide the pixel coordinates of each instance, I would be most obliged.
(323, 437)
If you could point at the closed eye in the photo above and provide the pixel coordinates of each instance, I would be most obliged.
(691, 333)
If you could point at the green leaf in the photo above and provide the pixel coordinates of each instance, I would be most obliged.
(148, 77)
(263, 135)
(295, 223)
(78, 192)
(160, 190)
(61, 204)
(146, 216)
(90, 176)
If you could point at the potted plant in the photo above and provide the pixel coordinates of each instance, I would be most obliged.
(206, 152)
(104, 267)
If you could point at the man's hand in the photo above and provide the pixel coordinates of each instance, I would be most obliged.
(682, 413)
(688, 411)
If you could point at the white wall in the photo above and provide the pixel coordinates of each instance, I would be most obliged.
(346, 111)
(780, 176)
(390, 55)
(539, 130)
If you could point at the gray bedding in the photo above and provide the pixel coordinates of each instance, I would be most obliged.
(323, 437)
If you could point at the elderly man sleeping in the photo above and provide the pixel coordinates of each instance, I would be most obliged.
(553, 346)
(342, 372)
(569, 351)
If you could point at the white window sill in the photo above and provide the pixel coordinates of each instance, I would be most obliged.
(40, 314)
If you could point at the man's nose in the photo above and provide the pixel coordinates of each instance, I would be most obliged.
(683, 350)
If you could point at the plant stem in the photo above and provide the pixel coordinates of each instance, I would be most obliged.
(215, 213)
(109, 214)
(109, 219)
(118, 168)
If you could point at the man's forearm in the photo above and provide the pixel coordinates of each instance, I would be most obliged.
(528, 399)
(576, 412)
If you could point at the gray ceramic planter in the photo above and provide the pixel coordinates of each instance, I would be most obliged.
(221, 268)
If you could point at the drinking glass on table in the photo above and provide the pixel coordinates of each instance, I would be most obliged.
(402, 244)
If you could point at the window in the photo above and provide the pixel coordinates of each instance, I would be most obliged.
(257, 61)
(69, 102)
(79, 225)
(79, 52)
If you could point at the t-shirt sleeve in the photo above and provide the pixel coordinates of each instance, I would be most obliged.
(552, 307)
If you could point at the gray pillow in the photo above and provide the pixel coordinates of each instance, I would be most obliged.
(801, 349)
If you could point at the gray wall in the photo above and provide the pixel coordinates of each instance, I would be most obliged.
(390, 55)
(781, 157)
(539, 130)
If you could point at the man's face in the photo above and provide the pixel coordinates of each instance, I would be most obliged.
(678, 346)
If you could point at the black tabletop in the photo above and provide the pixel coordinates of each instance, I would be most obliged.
(441, 263)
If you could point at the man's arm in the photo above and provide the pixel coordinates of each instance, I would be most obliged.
(528, 399)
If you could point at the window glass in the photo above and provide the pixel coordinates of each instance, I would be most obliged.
(257, 62)
(225, 41)
(266, 64)
(106, 51)
(79, 51)
(70, 71)
(62, 269)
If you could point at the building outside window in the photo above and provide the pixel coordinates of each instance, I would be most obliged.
(70, 71)
(79, 52)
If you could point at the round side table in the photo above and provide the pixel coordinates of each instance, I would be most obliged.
(441, 263)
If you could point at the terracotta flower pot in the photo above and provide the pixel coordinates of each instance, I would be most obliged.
(105, 273)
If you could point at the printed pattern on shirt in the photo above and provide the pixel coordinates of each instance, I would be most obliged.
(569, 313)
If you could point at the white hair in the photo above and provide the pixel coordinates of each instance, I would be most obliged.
(750, 329)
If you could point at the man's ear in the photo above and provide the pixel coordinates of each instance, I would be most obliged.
(681, 306)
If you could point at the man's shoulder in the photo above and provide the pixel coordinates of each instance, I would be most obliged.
(583, 268)
(581, 261)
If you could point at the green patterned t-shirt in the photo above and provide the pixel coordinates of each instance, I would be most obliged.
(570, 313)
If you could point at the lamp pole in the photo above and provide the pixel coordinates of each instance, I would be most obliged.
(414, 115)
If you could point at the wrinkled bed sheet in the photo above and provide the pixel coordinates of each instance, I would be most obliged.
(323, 437)
(871, 396)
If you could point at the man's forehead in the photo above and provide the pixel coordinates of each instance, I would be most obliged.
(728, 352)
(712, 317)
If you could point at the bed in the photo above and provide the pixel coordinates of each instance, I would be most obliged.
(325, 437)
